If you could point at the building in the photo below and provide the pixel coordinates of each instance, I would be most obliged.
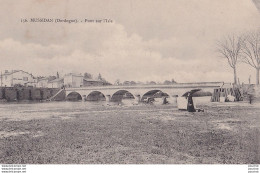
(17, 77)
(56, 83)
(73, 80)
(43, 82)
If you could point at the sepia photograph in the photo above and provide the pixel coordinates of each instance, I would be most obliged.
(129, 82)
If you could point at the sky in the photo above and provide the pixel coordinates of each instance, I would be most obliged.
(148, 40)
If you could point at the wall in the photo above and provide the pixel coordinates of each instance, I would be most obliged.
(43, 83)
(73, 80)
(29, 93)
(68, 80)
(57, 84)
(77, 81)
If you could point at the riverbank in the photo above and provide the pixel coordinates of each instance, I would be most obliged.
(79, 133)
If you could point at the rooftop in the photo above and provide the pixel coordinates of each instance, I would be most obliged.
(57, 80)
(15, 71)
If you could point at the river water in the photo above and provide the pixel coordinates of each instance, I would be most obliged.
(28, 111)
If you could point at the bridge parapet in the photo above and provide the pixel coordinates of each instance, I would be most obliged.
(177, 85)
(202, 84)
(138, 91)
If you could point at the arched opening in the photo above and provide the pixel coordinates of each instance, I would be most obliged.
(96, 96)
(121, 95)
(200, 97)
(74, 96)
(151, 95)
(202, 93)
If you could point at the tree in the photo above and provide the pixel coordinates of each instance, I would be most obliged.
(117, 82)
(167, 82)
(230, 48)
(58, 76)
(257, 4)
(50, 78)
(133, 83)
(152, 83)
(105, 82)
(139, 83)
(173, 81)
(126, 83)
(88, 76)
(100, 77)
(251, 52)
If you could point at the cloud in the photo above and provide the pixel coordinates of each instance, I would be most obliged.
(121, 57)
(148, 40)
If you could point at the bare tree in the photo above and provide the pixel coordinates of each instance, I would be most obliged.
(257, 4)
(251, 52)
(230, 48)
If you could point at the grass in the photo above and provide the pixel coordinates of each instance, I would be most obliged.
(136, 135)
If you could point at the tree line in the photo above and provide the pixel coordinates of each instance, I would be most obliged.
(166, 82)
(244, 48)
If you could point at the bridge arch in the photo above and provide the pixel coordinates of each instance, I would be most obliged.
(122, 94)
(95, 96)
(201, 93)
(74, 96)
(154, 94)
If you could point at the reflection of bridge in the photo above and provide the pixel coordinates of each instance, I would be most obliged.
(139, 92)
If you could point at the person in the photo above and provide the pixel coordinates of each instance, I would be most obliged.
(165, 101)
(250, 98)
(190, 105)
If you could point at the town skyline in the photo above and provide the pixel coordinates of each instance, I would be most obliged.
(85, 76)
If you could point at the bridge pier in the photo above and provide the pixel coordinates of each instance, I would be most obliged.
(174, 99)
(165, 100)
(137, 98)
(108, 98)
(84, 98)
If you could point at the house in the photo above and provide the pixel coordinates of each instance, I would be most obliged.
(18, 77)
(56, 83)
(43, 82)
(73, 80)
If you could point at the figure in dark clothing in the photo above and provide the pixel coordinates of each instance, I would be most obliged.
(165, 101)
(250, 98)
(190, 105)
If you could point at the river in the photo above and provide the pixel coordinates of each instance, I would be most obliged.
(65, 109)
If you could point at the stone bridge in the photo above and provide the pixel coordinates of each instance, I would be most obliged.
(141, 92)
